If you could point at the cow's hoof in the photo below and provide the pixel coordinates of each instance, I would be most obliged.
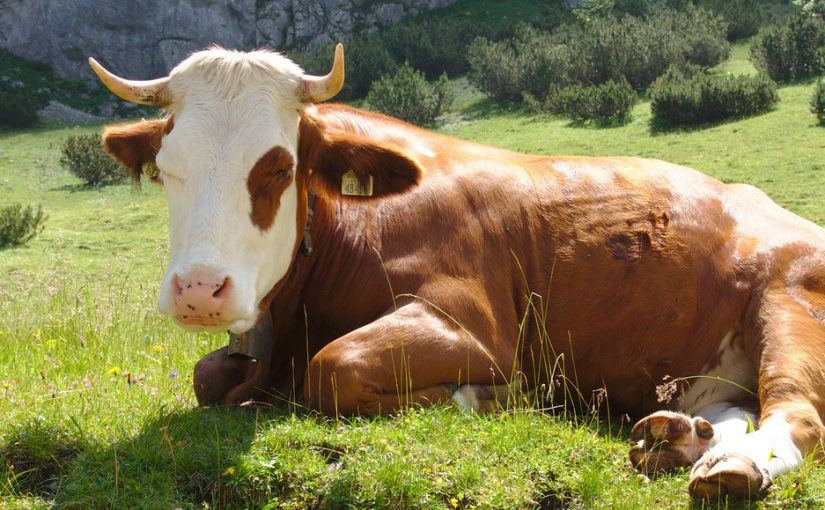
(667, 440)
(729, 474)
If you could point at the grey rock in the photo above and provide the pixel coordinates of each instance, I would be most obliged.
(63, 113)
(143, 40)
(388, 14)
(136, 39)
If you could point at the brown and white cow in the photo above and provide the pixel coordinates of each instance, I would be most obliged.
(468, 266)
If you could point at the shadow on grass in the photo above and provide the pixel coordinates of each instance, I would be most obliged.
(486, 107)
(179, 457)
(83, 187)
(658, 127)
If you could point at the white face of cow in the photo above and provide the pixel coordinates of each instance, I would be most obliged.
(222, 264)
(227, 160)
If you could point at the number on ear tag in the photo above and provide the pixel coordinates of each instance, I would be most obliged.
(351, 186)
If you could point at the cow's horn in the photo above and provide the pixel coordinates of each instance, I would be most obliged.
(315, 89)
(151, 92)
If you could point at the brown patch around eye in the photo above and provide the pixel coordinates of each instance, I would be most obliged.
(268, 179)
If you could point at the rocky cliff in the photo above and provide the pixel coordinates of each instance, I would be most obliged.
(146, 39)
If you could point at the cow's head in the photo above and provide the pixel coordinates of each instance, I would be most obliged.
(237, 155)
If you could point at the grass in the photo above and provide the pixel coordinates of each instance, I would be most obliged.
(95, 387)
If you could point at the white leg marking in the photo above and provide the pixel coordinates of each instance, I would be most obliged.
(728, 421)
(732, 378)
(465, 398)
(771, 447)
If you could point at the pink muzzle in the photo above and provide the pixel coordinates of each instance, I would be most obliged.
(200, 298)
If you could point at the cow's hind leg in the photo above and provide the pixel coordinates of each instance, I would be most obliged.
(791, 398)
(412, 355)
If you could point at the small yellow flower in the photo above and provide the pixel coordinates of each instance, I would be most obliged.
(6, 385)
(157, 348)
(454, 502)
(229, 471)
(113, 371)
(51, 344)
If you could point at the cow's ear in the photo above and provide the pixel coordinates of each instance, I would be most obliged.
(135, 145)
(354, 166)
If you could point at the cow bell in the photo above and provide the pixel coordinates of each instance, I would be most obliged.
(254, 344)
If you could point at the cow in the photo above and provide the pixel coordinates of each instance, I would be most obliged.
(385, 266)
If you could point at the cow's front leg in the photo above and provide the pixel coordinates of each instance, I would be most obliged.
(221, 379)
(745, 467)
(791, 399)
(667, 440)
(411, 356)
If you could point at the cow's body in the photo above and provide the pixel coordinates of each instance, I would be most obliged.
(569, 275)
(492, 237)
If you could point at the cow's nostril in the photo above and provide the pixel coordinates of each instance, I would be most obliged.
(176, 286)
(223, 289)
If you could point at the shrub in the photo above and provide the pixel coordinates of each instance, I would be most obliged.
(812, 7)
(494, 69)
(528, 63)
(19, 225)
(407, 95)
(83, 156)
(743, 17)
(636, 50)
(434, 46)
(818, 101)
(367, 59)
(678, 100)
(19, 105)
(792, 49)
(609, 102)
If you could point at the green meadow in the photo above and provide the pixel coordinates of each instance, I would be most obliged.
(95, 386)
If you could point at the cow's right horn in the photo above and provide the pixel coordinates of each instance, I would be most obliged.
(320, 88)
(150, 92)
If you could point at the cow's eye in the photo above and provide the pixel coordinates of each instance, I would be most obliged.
(282, 174)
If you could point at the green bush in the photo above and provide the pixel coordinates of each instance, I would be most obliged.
(408, 96)
(632, 49)
(818, 101)
(812, 7)
(433, 46)
(677, 100)
(19, 225)
(19, 105)
(83, 156)
(367, 59)
(527, 63)
(609, 102)
(494, 69)
(791, 49)
(743, 17)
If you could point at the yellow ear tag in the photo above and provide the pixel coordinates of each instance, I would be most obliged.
(351, 186)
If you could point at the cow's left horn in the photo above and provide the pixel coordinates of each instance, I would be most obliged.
(151, 92)
(315, 89)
